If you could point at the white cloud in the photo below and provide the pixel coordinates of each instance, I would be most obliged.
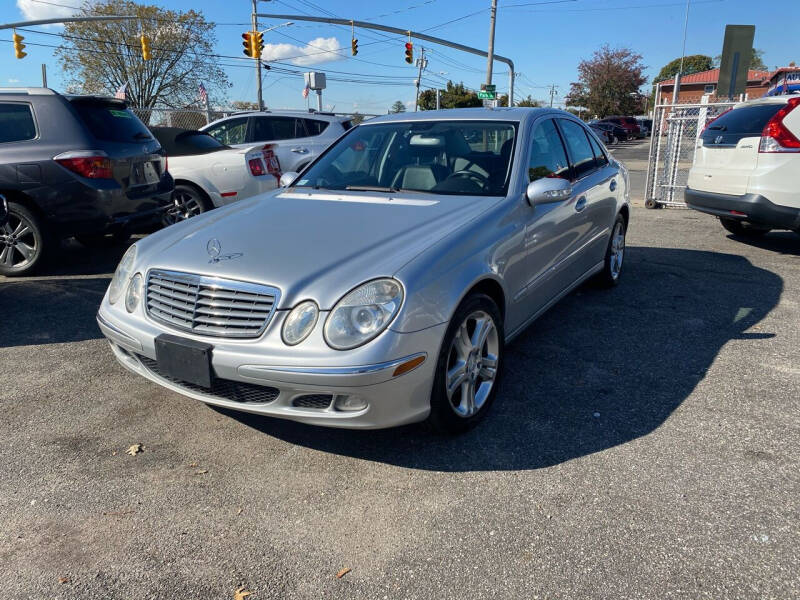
(319, 50)
(33, 10)
(12, 80)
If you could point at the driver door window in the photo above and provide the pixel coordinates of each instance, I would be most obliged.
(547, 157)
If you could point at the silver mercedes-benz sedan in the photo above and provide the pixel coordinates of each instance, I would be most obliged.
(380, 285)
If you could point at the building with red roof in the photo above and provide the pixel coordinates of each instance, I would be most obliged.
(693, 87)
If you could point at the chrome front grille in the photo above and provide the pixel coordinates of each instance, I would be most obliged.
(209, 305)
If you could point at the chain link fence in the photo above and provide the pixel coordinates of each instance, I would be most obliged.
(675, 134)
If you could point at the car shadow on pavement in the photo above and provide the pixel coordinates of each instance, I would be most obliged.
(59, 302)
(600, 369)
(782, 242)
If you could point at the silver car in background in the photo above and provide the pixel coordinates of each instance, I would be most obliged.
(380, 287)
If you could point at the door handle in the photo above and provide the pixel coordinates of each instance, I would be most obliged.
(613, 185)
(300, 150)
(580, 204)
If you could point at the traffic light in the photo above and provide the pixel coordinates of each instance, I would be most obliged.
(145, 47)
(409, 52)
(253, 42)
(19, 46)
(247, 43)
(353, 46)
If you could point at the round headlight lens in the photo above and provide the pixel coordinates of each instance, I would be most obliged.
(134, 293)
(300, 322)
(363, 313)
(121, 275)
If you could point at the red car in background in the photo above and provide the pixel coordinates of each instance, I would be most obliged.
(629, 124)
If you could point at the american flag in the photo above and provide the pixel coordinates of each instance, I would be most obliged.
(120, 94)
(305, 91)
(203, 93)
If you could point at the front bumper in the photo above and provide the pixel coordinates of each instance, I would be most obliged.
(253, 382)
(753, 208)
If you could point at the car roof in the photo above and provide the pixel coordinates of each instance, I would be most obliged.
(310, 114)
(782, 99)
(461, 114)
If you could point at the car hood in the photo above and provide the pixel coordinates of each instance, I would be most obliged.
(315, 245)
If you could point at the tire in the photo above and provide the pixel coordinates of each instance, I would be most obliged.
(650, 203)
(24, 242)
(187, 202)
(102, 240)
(742, 229)
(615, 255)
(481, 364)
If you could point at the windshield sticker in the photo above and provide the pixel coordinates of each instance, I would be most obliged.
(123, 114)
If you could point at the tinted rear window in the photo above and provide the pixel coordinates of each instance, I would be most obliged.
(315, 127)
(187, 143)
(748, 121)
(16, 122)
(111, 122)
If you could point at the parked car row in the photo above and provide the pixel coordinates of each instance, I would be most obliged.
(620, 128)
(87, 167)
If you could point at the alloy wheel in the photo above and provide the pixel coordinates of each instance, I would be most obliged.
(184, 206)
(18, 246)
(472, 363)
(617, 250)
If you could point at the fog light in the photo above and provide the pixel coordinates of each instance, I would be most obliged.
(349, 403)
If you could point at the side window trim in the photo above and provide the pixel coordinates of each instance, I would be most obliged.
(569, 155)
(36, 131)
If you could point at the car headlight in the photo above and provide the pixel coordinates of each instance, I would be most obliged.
(121, 275)
(134, 293)
(363, 313)
(300, 322)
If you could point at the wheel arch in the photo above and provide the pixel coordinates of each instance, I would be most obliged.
(26, 201)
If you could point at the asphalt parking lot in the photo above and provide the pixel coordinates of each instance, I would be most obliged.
(645, 444)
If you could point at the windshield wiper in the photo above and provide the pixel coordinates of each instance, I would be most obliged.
(379, 188)
(371, 188)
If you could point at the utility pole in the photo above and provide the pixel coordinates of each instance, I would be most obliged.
(422, 62)
(258, 59)
(44, 75)
(676, 86)
(438, 99)
(490, 57)
(552, 93)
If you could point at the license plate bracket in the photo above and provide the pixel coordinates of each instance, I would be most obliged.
(184, 359)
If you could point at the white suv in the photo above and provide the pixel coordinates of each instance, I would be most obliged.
(298, 137)
(746, 167)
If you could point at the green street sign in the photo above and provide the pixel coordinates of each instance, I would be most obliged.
(489, 87)
(487, 95)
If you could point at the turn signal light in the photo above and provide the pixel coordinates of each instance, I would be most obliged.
(91, 167)
(409, 365)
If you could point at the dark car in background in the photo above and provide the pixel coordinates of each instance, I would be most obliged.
(629, 124)
(82, 166)
(615, 132)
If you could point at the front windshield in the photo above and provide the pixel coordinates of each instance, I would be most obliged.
(440, 157)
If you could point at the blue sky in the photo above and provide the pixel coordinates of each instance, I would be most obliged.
(546, 42)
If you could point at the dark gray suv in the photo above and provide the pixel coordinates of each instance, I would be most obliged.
(82, 166)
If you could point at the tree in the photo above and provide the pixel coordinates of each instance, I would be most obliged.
(691, 64)
(397, 107)
(244, 105)
(101, 56)
(455, 95)
(530, 102)
(608, 82)
(756, 60)
(357, 119)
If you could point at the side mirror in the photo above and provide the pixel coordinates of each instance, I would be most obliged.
(288, 178)
(548, 189)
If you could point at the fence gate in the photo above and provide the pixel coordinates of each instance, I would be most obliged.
(676, 131)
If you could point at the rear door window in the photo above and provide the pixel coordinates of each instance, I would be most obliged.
(732, 126)
(267, 129)
(580, 150)
(599, 155)
(315, 127)
(232, 131)
(16, 122)
(111, 122)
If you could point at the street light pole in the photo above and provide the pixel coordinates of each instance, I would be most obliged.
(490, 57)
(676, 86)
